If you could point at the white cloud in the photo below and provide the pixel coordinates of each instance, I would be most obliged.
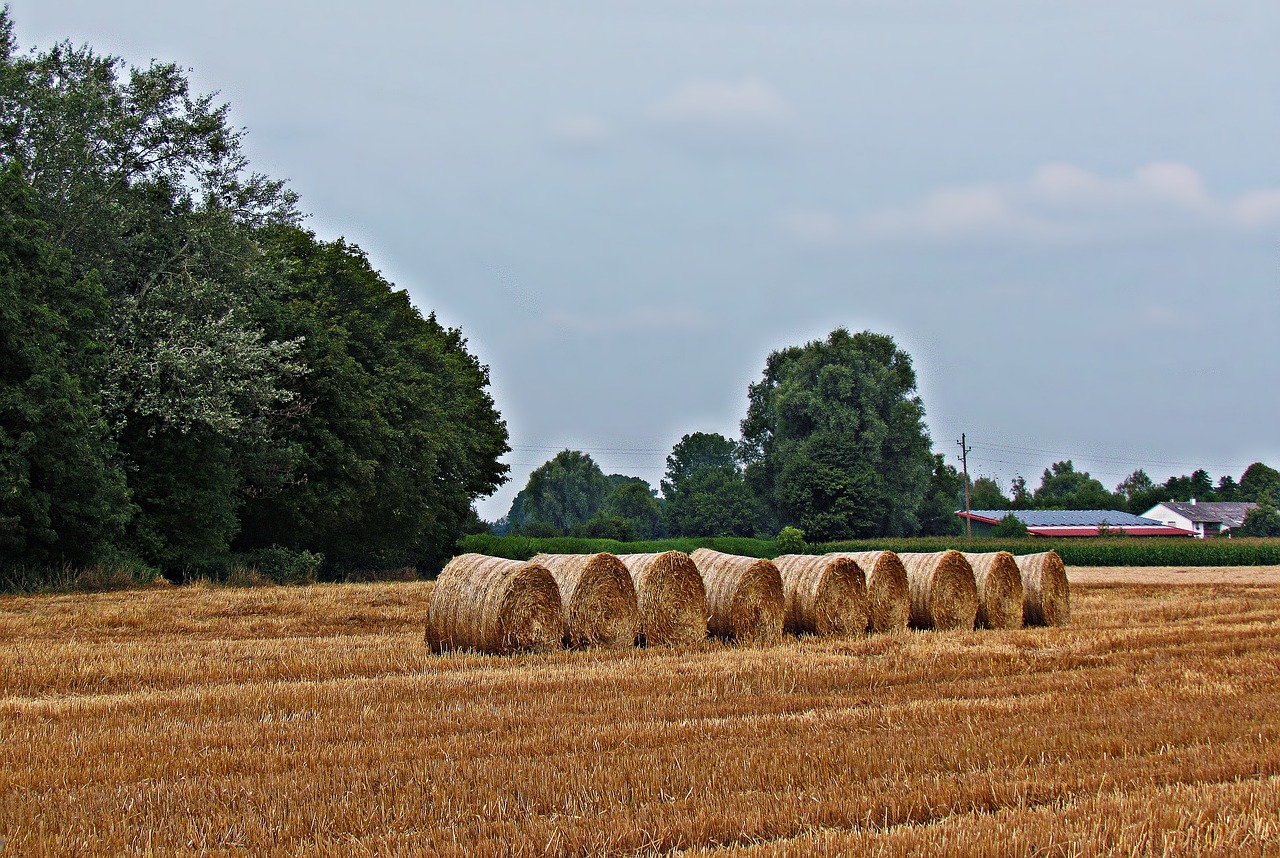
(580, 132)
(1063, 203)
(720, 115)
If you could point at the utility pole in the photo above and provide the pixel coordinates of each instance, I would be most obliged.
(964, 460)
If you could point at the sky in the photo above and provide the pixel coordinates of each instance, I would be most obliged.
(1067, 213)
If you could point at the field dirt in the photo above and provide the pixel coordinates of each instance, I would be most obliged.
(313, 721)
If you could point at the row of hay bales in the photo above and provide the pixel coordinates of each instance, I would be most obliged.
(491, 604)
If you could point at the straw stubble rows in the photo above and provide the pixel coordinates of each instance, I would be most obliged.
(315, 721)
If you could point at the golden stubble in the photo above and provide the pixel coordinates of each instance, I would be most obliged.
(313, 721)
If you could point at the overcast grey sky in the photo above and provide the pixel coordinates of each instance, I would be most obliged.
(1067, 212)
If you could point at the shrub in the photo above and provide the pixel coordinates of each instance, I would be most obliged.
(790, 540)
(279, 565)
(1009, 527)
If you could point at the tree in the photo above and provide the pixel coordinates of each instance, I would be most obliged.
(63, 497)
(1262, 520)
(705, 491)
(1009, 527)
(1226, 490)
(945, 495)
(395, 435)
(1260, 484)
(633, 502)
(1140, 493)
(987, 494)
(1063, 487)
(146, 186)
(1019, 494)
(1198, 485)
(834, 438)
(564, 492)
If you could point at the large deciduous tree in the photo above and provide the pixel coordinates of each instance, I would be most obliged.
(1260, 484)
(705, 490)
(62, 492)
(562, 493)
(395, 433)
(835, 440)
(147, 186)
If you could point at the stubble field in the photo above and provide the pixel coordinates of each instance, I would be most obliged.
(313, 721)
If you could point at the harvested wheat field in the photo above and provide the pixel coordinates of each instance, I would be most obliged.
(315, 721)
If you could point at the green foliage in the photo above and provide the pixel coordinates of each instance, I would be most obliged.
(280, 565)
(1260, 484)
(790, 540)
(397, 436)
(605, 526)
(633, 502)
(834, 438)
(706, 493)
(63, 495)
(1009, 527)
(1131, 551)
(1063, 487)
(987, 494)
(1262, 520)
(203, 376)
(945, 496)
(564, 492)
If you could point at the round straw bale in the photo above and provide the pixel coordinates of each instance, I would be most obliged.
(1046, 595)
(672, 600)
(825, 594)
(888, 597)
(495, 605)
(999, 589)
(744, 595)
(944, 594)
(599, 599)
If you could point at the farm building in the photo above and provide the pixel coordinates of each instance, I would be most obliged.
(1073, 522)
(1203, 519)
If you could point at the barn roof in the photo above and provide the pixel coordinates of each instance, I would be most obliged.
(1226, 513)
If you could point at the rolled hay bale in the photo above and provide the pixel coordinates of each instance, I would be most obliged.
(999, 589)
(599, 599)
(744, 595)
(944, 594)
(671, 598)
(888, 596)
(494, 605)
(1046, 595)
(824, 594)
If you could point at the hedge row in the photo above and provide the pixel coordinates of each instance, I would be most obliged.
(1102, 551)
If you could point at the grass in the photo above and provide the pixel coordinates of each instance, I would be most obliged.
(1101, 551)
(312, 721)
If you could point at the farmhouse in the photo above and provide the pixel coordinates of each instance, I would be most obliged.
(1203, 519)
(1073, 522)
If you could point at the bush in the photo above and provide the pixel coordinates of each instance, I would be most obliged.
(1009, 527)
(277, 565)
(1262, 520)
(790, 540)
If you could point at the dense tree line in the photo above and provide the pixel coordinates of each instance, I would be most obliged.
(186, 375)
(835, 445)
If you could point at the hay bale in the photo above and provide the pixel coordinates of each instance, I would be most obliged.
(494, 605)
(744, 595)
(944, 594)
(888, 596)
(672, 600)
(825, 594)
(999, 589)
(599, 599)
(1046, 595)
